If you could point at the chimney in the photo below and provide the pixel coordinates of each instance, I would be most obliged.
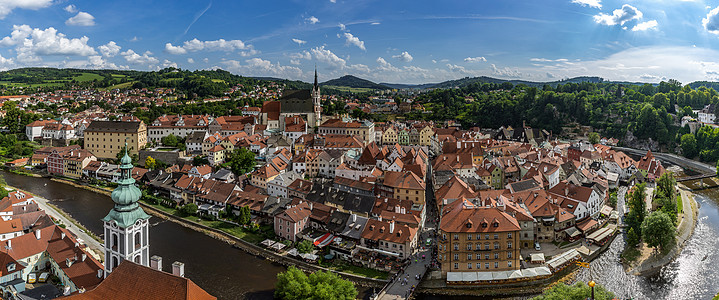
(178, 269)
(391, 226)
(37, 234)
(99, 273)
(62, 235)
(354, 218)
(156, 262)
(379, 218)
(9, 244)
(396, 209)
(84, 256)
(566, 191)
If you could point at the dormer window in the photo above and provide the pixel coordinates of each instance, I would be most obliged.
(495, 224)
(484, 225)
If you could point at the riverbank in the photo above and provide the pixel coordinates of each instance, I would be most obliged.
(655, 262)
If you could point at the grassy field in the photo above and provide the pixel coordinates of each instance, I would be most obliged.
(120, 86)
(680, 203)
(80, 77)
(349, 89)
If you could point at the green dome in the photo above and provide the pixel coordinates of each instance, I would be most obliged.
(126, 160)
(126, 194)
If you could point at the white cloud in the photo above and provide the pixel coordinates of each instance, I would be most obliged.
(134, 39)
(342, 27)
(312, 20)
(333, 1)
(506, 72)
(206, 60)
(260, 67)
(326, 56)
(351, 39)
(166, 64)
(564, 60)
(195, 45)
(144, 59)
(619, 16)
(190, 60)
(456, 68)
(590, 3)
(434, 61)
(711, 22)
(404, 56)
(30, 43)
(643, 26)
(475, 59)
(81, 19)
(70, 8)
(7, 6)
(97, 62)
(375, 23)
(110, 49)
(299, 42)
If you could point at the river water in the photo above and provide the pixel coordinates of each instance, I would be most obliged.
(223, 271)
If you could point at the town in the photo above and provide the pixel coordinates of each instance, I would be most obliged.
(404, 201)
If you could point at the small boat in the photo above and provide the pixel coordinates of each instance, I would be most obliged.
(705, 257)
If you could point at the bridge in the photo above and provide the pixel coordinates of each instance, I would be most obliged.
(695, 177)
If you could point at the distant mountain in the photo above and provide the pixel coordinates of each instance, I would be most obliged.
(709, 84)
(409, 86)
(353, 82)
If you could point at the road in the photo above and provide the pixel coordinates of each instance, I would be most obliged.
(94, 245)
(674, 159)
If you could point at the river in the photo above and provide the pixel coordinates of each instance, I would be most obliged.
(220, 269)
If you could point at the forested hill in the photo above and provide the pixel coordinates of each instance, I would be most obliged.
(353, 82)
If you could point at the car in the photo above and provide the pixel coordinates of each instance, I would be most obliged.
(43, 277)
(536, 246)
(31, 278)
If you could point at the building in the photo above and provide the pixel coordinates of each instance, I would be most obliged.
(360, 129)
(303, 103)
(387, 237)
(105, 139)
(403, 186)
(289, 223)
(133, 281)
(56, 159)
(58, 131)
(75, 161)
(177, 125)
(34, 130)
(707, 115)
(477, 238)
(126, 226)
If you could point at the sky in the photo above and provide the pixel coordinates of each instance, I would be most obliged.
(392, 41)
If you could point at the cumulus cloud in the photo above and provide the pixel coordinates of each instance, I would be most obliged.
(326, 56)
(312, 20)
(404, 56)
(81, 19)
(195, 45)
(711, 22)
(7, 6)
(296, 57)
(342, 27)
(166, 64)
(619, 16)
(70, 8)
(190, 60)
(110, 49)
(30, 43)
(333, 1)
(260, 67)
(475, 59)
(351, 39)
(643, 26)
(299, 42)
(144, 59)
(506, 72)
(456, 68)
(590, 3)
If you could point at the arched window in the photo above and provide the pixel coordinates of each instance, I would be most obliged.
(114, 262)
(114, 241)
(137, 259)
(138, 241)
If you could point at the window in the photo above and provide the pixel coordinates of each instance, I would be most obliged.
(496, 265)
(509, 235)
(456, 256)
(486, 236)
(486, 256)
(496, 245)
(456, 236)
(479, 266)
(479, 256)
(509, 254)
(496, 256)
(469, 256)
(479, 236)
(456, 266)
(456, 246)
(469, 266)
(469, 246)
(509, 264)
(469, 236)
(496, 236)
(486, 265)
(509, 245)
(486, 246)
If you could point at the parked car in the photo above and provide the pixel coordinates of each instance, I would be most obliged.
(31, 278)
(43, 277)
(536, 246)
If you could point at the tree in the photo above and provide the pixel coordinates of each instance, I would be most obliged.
(632, 238)
(293, 284)
(305, 246)
(200, 160)
(245, 216)
(658, 230)
(577, 291)
(189, 209)
(689, 145)
(241, 161)
(593, 138)
(150, 163)
(613, 199)
(3, 192)
(12, 117)
(637, 208)
(170, 140)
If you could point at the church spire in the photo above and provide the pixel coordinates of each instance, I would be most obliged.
(126, 211)
(316, 86)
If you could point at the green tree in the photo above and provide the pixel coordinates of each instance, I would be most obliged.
(613, 199)
(305, 246)
(594, 137)
(658, 230)
(200, 160)
(577, 291)
(632, 237)
(3, 192)
(689, 145)
(13, 116)
(637, 208)
(245, 215)
(189, 209)
(241, 161)
(150, 163)
(170, 140)
(293, 284)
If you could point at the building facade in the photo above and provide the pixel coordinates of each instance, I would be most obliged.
(105, 139)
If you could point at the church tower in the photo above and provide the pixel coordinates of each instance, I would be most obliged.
(316, 101)
(126, 226)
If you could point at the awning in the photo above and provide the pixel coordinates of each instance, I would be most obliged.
(537, 257)
(515, 274)
(454, 276)
(484, 276)
(293, 252)
(324, 240)
(541, 271)
(469, 276)
(500, 275)
(606, 210)
(572, 232)
(563, 258)
(531, 272)
(309, 256)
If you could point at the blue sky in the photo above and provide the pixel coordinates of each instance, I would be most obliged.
(384, 41)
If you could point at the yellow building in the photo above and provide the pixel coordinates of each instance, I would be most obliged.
(74, 161)
(105, 139)
(425, 136)
(404, 186)
(389, 136)
(477, 238)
